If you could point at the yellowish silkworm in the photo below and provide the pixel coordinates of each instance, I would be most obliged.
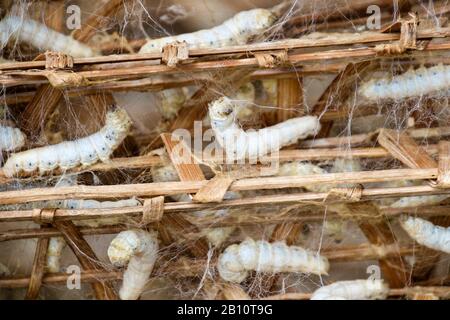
(138, 249)
(240, 144)
(413, 83)
(426, 233)
(234, 31)
(40, 36)
(69, 154)
(370, 289)
(261, 256)
(11, 138)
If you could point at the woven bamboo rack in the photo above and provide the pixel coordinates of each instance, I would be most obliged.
(27, 83)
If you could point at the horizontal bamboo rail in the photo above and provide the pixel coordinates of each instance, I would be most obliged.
(261, 183)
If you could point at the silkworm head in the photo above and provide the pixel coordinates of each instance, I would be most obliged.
(123, 247)
(221, 111)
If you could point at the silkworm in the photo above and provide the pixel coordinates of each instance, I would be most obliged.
(11, 138)
(261, 256)
(138, 249)
(40, 36)
(426, 233)
(413, 83)
(70, 154)
(299, 168)
(234, 31)
(54, 251)
(370, 289)
(240, 144)
(416, 201)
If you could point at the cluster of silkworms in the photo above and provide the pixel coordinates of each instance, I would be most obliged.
(70, 154)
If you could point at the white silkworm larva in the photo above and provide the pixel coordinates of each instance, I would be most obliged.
(11, 138)
(370, 289)
(261, 256)
(54, 251)
(139, 249)
(234, 31)
(416, 201)
(40, 36)
(240, 144)
(426, 233)
(69, 154)
(412, 83)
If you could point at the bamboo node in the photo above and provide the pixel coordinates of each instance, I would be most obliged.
(272, 59)
(352, 194)
(408, 38)
(175, 52)
(61, 79)
(153, 210)
(44, 216)
(58, 60)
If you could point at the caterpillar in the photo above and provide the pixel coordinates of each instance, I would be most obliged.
(11, 138)
(138, 249)
(261, 256)
(40, 36)
(215, 236)
(240, 144)
(69, 154)
(416, 201)
(413, 83)
(234, 31)
(370, 289)
(426, 233)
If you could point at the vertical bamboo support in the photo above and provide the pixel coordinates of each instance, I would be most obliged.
(290, 98)
(37, 273)
(103, 290)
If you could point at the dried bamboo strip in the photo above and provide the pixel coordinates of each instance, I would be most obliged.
(37, 273)
(300, 199)
(86, 256)
(170, 188)
(187, 172)
(294, 59)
